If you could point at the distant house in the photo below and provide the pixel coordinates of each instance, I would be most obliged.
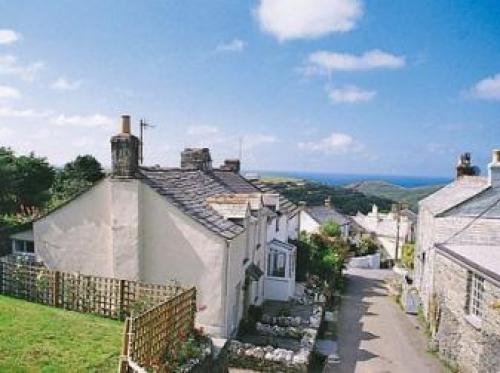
(196, 224)
(386, 227)
(313, 217)
(457, 267)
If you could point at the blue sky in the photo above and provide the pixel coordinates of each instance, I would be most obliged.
(351, 86)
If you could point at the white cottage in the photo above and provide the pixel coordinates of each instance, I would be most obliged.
(392, 229)
(314, 217)
(196, 224)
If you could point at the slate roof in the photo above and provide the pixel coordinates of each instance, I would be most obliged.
(322, 214)
(454, 194)
(486, 204)
(280, 245)
(189, 189)
(485, 259)
(286, 206)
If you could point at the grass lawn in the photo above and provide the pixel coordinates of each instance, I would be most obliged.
(36, 338)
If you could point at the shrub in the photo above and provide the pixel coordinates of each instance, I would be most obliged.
(367, 246)
(408, 257)
(331, 229)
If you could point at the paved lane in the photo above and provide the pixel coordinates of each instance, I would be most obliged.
(374, 335)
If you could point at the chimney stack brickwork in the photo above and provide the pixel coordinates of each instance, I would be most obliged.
(494, 169)
(233, 165)
(125, 152)
(196, 159)
(464, 166)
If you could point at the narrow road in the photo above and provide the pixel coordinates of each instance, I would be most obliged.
(374, 334)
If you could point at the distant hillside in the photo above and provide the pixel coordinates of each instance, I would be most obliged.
(347, 201)
(383, 189)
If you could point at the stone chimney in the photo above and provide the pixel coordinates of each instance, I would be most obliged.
(328, 201)
(124, 152)
(233, 165)
(494, 169)
(464, 166)
(196, 159)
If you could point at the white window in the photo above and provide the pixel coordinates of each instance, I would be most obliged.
(476, 295)
(276, 265)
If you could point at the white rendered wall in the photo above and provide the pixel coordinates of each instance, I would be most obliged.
(307, 223)
(176, 247)
(77, 237)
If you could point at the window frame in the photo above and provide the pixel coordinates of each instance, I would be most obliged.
(24, 250)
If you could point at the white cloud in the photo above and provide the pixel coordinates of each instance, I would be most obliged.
(335, 143)
(8, 36)
(7, 112)
(62, 84)
(10, 66)
(9, 92)
(202, 130)
(487, 89)
(306, 19)
(235, 45)
(323, 62)
(94, 120)
(252, 141)
(350, 94)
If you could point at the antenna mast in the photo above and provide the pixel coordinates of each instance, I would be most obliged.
(240, 150)
(143, 125)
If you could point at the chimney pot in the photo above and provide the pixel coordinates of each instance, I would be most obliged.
(125, 152)
(328, 201)
(126, 124)
(496, 156)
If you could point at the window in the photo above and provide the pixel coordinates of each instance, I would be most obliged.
(23, 247)
(475, 294)
(277, 224)
(276, 265)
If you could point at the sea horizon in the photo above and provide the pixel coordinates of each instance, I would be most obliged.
(345, 178)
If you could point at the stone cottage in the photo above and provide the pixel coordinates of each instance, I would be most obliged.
(196, 224)
(457, 267)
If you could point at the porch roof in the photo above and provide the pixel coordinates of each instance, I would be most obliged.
(281, 246)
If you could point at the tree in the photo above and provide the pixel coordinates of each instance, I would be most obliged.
(75, 177)
(36, 177)
(84, 167)
(8, 181)
(24, 182)
(331, 229)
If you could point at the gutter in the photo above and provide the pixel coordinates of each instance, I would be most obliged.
(468, 264)
(225, 299)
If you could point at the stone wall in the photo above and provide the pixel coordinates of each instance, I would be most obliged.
(471, 348)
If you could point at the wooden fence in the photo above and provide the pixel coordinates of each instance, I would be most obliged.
(163, 328)
(108, 297)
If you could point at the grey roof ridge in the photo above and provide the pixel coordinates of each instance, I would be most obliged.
(461, 203)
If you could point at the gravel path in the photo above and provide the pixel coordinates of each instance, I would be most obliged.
(374, 334)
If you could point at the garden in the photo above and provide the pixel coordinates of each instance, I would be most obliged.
(34, 337)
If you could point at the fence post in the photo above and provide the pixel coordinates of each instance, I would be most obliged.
(121, 293)
(1, 277)
(123, 367)
(56, 288)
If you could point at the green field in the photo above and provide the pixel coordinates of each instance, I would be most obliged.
(36, 338)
